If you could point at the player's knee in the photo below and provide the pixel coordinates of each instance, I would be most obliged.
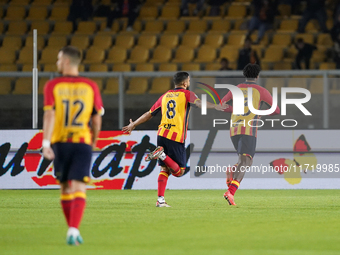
(179, 173)
(166, 169)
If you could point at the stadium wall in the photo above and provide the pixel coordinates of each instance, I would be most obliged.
(120, 164)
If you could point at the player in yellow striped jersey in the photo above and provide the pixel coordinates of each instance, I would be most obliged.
(175, 107)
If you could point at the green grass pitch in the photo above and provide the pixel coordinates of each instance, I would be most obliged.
(199, 222)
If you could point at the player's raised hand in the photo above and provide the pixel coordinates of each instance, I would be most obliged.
(221, 107)
(129, 127)
(48, 153)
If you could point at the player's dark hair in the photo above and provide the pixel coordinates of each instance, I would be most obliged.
(73, 52)
(251, 71)
(180, 77)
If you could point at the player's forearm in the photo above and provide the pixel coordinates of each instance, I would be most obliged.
(48, 124)
(96, 127)
(144, 118)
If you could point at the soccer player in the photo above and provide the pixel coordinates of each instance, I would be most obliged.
(175, 107)
(243, 128)
(71, 102)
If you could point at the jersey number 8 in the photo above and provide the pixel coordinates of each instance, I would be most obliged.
(170, 113)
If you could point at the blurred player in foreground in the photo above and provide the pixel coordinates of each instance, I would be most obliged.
(70, 104)
(175, 108)
(244, 127)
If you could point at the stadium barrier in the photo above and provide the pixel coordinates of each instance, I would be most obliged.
(303, 159)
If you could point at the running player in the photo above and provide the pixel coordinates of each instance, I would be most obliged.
(243, 130)
(175, 107)
(70, 104)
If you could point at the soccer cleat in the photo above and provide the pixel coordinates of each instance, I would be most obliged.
(155, 154)
(162, 204)
(229, 197)
(80, 239)
(72, 240)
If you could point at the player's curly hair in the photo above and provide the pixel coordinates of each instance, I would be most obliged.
(251, 71)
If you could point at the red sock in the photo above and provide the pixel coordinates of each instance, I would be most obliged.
(77, 209)
(233, 187)
(66, 203)
(162, 181)
(173, 165)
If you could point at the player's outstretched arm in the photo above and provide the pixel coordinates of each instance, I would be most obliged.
(218, 107)
(48, 125)
(133, 124)
(96, 127)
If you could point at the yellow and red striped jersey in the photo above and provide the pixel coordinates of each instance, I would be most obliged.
(175, 108)
(247, 123)
(74, 99)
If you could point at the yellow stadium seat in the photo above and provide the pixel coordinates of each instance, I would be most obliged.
(114, 28)
(282, 66)
(28, 68)
(138, 54)
(236, 39)
(145, 67)
(124, 41)
(62, 3)
(214, 40)
(37, 13)
(289, 25)
(50, 68)
(19, 2)
(98, 68)
(325, 40)
(116, 55)
(41, 85)
(197, 26)
(236, 11)
(44, 3)
(26, 56)
(94, 56)
(12, 42)
(147, 41)
(327, 66)
(40, 42)
(169, 40)
(273, 54)
(42, 27)
(62, 28)
(312, 27)
(191, 67)
(284, 10)
(5, 86)
(170, 12)
(175, 27)
(161, 55)
(17, 28)
(112, 86)
(230, 52)
(8, 68)
(137, 86)
(148, 12)
(168, 67)
(318, 56)
(153, 27)
(86, 28)
(49, 55)
(291, 54)
(121, 68)
(220, 26)
(23, 86)
(160, 85)
(264, 40)
(183, 54)
(206, 54)
(7, 56)
(212, 67)
(297, 82)
(316, 86)
(99, 82)
(15, 13)
(59, 13)
(240, 26)
(307, 38)
(283, 39)
(191, 40)
(102, 41)
(80, 41)
(57, 41)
